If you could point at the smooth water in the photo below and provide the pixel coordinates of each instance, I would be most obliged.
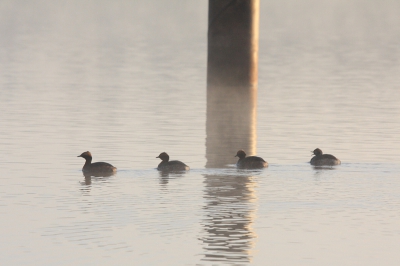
(127, 80)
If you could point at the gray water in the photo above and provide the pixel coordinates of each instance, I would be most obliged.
(127, 80)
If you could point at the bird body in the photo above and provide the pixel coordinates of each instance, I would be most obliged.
(167, 165)
(98, 168)
(250, 162)
(321, 159)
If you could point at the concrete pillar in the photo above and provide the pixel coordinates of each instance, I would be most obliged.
(232, 73)
(233, 30)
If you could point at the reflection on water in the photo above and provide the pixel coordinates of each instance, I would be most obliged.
(229, 217)
(96, 178)
(325, 167)
(88, 181)
(166, 175)
(89, 174)
(319, 171)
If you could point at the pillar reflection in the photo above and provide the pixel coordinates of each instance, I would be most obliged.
(230, 211)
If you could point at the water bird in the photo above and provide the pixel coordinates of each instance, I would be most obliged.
(167, 165)
(96, 169)
(321, 159)
(250, 162)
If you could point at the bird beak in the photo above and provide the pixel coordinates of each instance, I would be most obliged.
(79, 156)
(235, 156)
(158, 157)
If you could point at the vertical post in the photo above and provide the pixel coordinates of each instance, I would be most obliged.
(233, 28)
(232, 74)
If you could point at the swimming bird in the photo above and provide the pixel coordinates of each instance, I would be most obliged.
(250, 162)
(96, 169)
(167, 165)
(321, 159)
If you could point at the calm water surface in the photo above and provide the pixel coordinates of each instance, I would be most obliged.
(127, 81)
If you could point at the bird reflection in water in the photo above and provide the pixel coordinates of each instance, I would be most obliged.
(95, 176)
(229, 215)
(166, 176)
(321, 171)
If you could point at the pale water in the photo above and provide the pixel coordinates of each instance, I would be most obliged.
(127, 81)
